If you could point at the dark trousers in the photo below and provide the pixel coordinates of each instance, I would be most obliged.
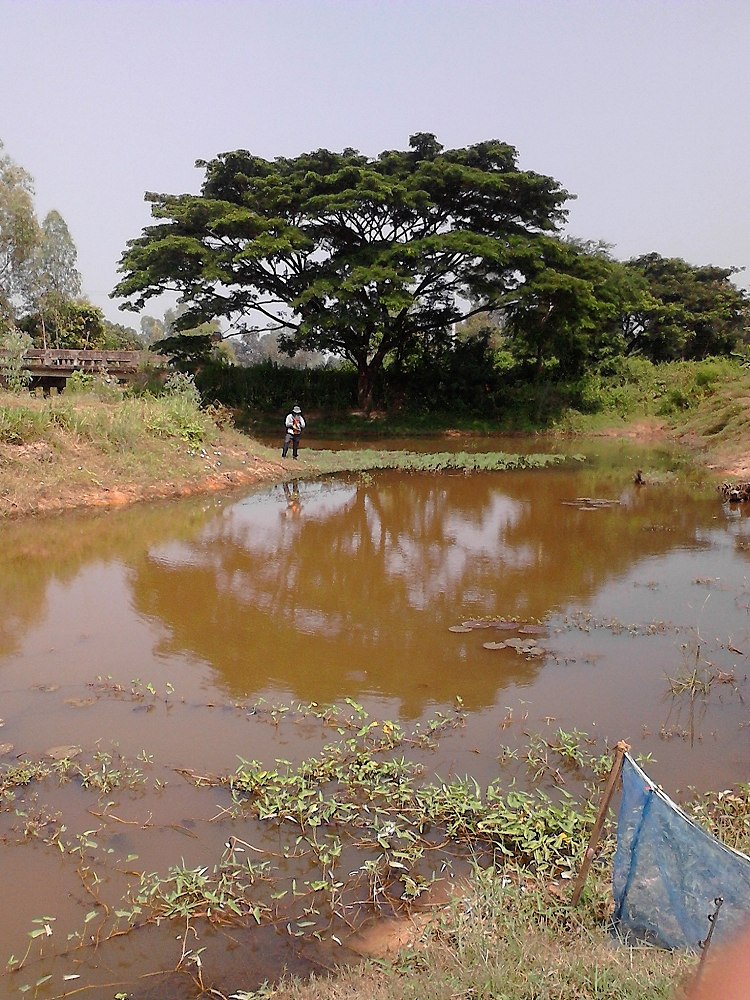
(292, 439)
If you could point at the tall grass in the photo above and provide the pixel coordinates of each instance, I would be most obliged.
(21, 423)
(123, 423)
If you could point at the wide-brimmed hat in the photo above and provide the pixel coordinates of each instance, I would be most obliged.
(296, 409)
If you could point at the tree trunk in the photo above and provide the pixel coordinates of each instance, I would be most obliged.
(367, 372)
(364, 388)
(539, 363)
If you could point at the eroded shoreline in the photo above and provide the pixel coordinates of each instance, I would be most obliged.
(40, 479)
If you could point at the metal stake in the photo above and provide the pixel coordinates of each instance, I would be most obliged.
(706, 943)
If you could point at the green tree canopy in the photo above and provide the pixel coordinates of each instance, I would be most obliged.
(694, 312)
(53, 280)
(118, 337)
(82, 326)
(188, 350)
(572, 305)
(39, 280)
(346, 254)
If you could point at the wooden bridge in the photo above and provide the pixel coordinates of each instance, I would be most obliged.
(52, 368)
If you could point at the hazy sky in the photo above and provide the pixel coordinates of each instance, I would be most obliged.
(638, 107)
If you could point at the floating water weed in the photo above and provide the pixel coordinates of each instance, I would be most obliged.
(19, 775)
(692, 683)
(370, 460)
(392, 811)
(218, 895)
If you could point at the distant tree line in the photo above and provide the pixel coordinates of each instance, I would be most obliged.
(40, 286)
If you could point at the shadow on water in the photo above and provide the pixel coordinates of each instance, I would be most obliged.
(174, 638)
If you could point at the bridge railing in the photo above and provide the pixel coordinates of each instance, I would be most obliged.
(36, 358)
(50, 358)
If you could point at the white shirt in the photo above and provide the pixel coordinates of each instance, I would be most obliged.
(295, 423)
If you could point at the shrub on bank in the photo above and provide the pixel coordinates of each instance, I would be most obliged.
(269, 387)
(620, 387)
(119, 422)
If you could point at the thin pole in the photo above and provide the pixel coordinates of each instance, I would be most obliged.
(621, 749)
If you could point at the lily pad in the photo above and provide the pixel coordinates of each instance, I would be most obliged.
(506, 626)
(533, 630)
(535, 651)
(495, 645)
(459, 628)
(520, 643)
(477, 624)
(80, 702)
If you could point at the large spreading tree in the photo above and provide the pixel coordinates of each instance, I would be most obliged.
(346, 254)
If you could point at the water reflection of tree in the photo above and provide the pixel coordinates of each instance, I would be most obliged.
(358, 595)
(37, 553)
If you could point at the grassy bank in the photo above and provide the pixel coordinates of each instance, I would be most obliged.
(81, 450)
(621, 391)
(703, 405)
(506, 940)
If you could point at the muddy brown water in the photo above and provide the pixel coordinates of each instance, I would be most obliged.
(174, 637)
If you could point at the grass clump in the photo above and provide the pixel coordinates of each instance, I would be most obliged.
(22, 422)
(509, 937)
(726, 815)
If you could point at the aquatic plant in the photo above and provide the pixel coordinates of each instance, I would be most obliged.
(357, 824)
(368, 460)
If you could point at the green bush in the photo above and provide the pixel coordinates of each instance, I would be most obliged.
(14, 376)
(99, 385)
(176, 416)
(269, 387)
(182, 385)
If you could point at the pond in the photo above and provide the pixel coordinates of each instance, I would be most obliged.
(155, 647)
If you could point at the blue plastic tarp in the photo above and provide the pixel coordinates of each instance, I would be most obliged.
(668, 872)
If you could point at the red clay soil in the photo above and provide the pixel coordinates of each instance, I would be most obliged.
(35, 479)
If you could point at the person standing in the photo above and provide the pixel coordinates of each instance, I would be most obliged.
(294, 424)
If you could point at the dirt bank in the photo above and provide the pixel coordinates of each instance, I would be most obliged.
(39, 478)
(44, 477)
